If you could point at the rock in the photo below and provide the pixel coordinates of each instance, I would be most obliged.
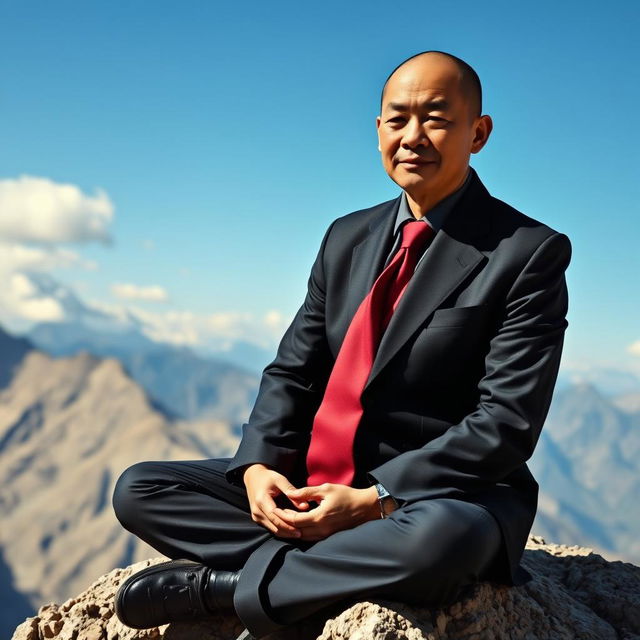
(574, 594)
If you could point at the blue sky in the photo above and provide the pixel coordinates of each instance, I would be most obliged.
(225, 137)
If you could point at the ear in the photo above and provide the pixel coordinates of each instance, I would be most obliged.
(482, 131)
(378, 121)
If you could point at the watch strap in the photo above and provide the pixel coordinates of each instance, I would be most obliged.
(384, 500)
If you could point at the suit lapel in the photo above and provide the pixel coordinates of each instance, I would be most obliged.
(451, 257)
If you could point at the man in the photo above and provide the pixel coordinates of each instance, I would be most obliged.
(386, 452)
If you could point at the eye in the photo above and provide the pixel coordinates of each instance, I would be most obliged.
(396, 120)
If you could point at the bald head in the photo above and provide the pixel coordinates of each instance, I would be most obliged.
(468, 79)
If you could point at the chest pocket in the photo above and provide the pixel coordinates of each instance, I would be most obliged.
(457, 317)
(449, 349)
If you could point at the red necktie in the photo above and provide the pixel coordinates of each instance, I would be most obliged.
(330, 455)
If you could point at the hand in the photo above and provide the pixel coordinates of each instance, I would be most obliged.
(340, 507)
(263, 484)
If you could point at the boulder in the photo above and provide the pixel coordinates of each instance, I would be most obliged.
(574, 594)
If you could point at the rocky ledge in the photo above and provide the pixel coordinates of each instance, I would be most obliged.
(574, 594)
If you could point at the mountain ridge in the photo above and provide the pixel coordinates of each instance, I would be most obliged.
(185, 384)
(69, 427)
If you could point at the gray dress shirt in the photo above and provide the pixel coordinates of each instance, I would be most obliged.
(434, 217)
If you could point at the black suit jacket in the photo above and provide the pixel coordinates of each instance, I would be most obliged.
(464, 374)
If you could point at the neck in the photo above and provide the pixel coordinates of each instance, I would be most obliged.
(420, 206)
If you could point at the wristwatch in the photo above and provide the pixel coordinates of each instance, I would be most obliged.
(386, 501)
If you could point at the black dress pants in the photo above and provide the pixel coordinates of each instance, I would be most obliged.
(425, 552)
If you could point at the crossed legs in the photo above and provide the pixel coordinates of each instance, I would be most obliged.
(424, 552)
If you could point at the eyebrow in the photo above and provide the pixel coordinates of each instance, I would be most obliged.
(436, 104)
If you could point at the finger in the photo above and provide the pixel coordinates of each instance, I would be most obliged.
(278, 523)
(284, 485)
(281, 524)
(306, 519)
(276, 526)
(258, 516)
(284, 530)
(269, 510)
(263, 521)
(287, 515)
(265, 506)
(288, 489)
(303, 505)
(308, 493)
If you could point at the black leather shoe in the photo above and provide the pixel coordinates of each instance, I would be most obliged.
(172, 591)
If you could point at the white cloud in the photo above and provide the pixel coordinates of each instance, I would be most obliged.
(21, 298)
(634, 348)
(36, 215)
(126, 291)
(230, 324)
(213, 330)
(39, 210)
(276, 322)
(36, 296)
(16, 257)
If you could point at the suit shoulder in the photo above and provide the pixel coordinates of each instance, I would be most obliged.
(364, 217)
(350, 229)
(511, 222)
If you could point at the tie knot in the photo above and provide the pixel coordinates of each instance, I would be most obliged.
(415, 234)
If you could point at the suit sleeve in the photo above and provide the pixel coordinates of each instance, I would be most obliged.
(291, 388)
(515, 392)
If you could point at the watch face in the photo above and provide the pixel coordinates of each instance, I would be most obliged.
(387, 505)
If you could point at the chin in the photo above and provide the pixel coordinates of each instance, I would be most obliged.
(414, 181)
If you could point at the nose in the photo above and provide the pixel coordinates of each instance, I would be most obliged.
(414, 134)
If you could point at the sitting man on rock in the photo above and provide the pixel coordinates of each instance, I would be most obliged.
(386, 452)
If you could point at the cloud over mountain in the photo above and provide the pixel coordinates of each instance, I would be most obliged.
(40, 218)
(36, 209)
(39, 215)
(128, 291)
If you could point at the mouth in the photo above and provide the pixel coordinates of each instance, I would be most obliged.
(415, 162)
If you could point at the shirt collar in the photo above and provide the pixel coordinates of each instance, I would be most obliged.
(436, 215)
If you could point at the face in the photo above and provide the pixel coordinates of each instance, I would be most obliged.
(427, 129)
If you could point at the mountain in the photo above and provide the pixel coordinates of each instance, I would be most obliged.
(14, 601)
(243, 354)
(628, 403)
(116, 331)
(185, 384)
(12, 351)
(587, 463)
(609, 381)
(68, 428)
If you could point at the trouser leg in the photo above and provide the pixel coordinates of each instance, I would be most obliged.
(187, 509)
(424, 553)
